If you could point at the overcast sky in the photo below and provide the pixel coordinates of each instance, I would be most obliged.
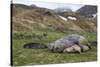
(49, 5)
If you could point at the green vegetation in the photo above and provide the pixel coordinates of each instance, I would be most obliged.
(23, 56)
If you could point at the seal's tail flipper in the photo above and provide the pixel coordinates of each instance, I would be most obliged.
(35, 46)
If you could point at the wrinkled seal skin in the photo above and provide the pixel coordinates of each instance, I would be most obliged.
(69, 42)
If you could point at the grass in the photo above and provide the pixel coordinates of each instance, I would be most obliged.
(22, 56)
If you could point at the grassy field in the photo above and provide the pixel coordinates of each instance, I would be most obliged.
(23, 56)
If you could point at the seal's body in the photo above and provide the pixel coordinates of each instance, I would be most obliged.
(59, 45)
(74, 48)
(68, 42)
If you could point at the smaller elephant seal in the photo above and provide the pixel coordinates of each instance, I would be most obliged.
(72, 49)
(76, 48)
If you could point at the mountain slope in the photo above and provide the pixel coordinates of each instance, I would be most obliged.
(88, 10)
(27, 18)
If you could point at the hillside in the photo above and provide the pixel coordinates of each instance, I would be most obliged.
(33, 18)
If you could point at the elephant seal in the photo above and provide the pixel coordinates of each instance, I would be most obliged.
(69, 42)
(75, 48)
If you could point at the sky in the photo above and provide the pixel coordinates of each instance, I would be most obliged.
(50, 5)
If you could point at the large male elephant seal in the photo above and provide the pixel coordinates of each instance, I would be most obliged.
(70, 43)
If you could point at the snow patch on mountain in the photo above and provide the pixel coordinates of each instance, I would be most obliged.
(63, 18)
(72, 18)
